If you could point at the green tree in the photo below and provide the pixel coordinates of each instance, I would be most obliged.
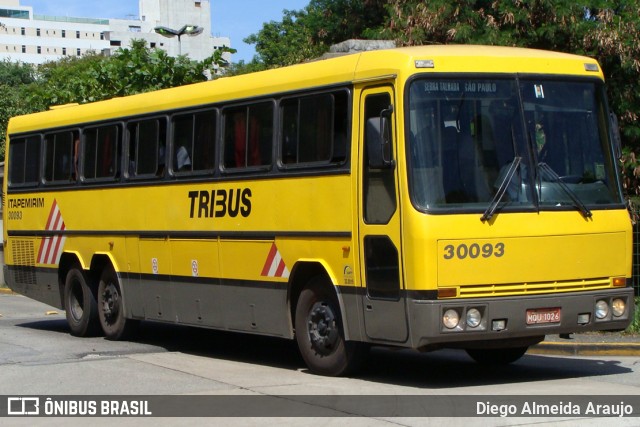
(129, 71)
(94, 77)
(605, 29)
(284, 43)
(14, 78)
(308, 33)
(16, 73)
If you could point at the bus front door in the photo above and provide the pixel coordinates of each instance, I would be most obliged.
(379, 220)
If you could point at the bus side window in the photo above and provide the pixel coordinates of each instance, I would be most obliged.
(314, 129)
(379, 183)
(101, 152)
(59, 157)
(248, 136)
(194, 137)
(24, 161)
(147, 146)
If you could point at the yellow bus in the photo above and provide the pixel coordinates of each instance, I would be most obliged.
(426, 197)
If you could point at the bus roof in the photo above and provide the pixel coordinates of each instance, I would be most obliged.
(364, 66)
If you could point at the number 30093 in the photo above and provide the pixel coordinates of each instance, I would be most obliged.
(474, 250)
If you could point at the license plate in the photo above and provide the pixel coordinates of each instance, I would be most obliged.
(543, 315)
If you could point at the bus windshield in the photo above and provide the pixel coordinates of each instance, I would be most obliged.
(545, 142)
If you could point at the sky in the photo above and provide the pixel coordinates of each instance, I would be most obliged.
(236, 19)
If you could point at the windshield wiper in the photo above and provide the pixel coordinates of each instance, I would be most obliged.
(504, 184)
(572, 195)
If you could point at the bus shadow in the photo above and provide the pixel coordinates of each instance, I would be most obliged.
(436, 370)
(439, 369)
(453, 368)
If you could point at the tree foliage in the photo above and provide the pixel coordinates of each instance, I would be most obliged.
(129, 71)
(308, 33)
(25, 89)
(608, 30)
(14, 100)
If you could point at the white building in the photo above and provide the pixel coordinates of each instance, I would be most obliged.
(35, 39)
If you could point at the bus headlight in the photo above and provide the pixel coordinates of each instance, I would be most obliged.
(451, 318)
(473, 318)
(617, 307)
(602, 309)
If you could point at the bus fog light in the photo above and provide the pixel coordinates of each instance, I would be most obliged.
(617, 307)
(451, 318)
(498, 325)
(602, 309)
(583, 319)
(473, 318)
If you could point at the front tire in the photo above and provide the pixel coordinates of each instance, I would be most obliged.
(320, 334)
(80, 304)
(111, 307)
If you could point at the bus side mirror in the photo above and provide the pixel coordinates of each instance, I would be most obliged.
(379, 141)
(617, 141)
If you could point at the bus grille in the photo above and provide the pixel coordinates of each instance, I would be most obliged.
(533, 288)
(24, 271)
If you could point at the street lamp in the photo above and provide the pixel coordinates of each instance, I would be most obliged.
(190, 30)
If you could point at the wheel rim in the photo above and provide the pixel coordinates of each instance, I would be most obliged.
(110, 303)
(76, 297)
(323, 330)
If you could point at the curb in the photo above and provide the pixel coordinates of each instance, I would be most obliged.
(586, 349)
(6, 291)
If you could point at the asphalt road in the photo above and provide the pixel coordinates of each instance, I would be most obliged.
(39, 357)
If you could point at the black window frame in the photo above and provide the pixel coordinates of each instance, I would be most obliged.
(69, 176)
(222, 141)
(117, 153)
(193, 158)
(347, 125)
(160, 162)
(23, 140)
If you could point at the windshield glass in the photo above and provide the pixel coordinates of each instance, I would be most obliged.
(477, 144)
(568, 126)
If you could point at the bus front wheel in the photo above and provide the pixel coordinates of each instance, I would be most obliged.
(320, 334)
(80, 304)
(111, 307)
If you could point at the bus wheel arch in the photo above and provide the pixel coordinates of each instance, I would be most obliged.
(300, 276)
(319, 326)
(78, 296)
(111, 306)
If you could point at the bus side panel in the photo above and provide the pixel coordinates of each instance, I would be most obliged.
(254, 287)
(23, 276)
(195, 282)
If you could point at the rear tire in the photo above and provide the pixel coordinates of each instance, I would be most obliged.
(111, 307)
(496, 356)
(320, 333)
(80, 304)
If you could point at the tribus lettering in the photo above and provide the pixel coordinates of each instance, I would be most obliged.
(220, 203)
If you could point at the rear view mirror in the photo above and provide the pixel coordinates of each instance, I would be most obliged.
(617, 141)
(379, 137)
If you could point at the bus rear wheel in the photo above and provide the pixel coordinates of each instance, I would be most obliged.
(496, 356)
(80, 304)
(320, 334)
(111, 307)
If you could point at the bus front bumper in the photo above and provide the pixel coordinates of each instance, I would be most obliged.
(516, 321)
